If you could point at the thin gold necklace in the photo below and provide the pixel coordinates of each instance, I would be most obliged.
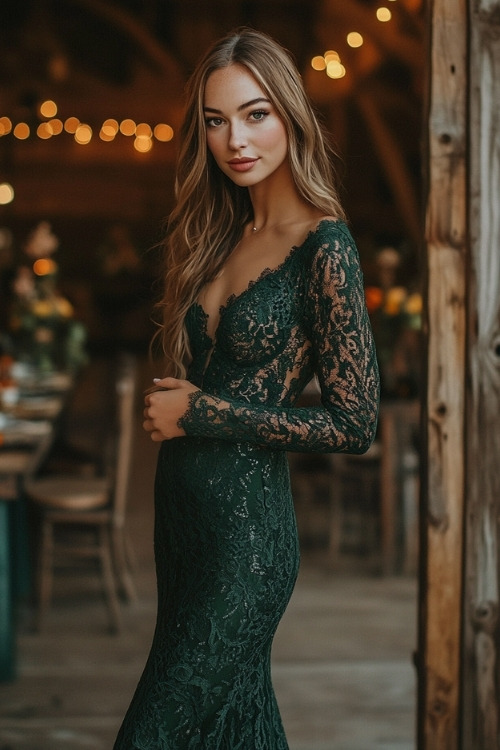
(278, 224)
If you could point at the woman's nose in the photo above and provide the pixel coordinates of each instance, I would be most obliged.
(237, 137)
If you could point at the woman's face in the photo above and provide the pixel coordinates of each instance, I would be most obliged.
(245, 135)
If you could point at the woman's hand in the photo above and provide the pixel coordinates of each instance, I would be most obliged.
(165, 406)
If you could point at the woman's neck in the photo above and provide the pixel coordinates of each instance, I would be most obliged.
(276, 201)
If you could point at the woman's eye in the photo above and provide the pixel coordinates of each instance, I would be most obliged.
(259, 115)
(213, 122)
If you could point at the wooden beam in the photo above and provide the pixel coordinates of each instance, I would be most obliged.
(440, 611)
(481, 663)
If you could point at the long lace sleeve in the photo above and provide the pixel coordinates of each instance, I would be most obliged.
(338, 328)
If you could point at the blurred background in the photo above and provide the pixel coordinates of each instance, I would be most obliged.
(91, 99)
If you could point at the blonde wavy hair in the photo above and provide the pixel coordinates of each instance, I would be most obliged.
(211, 211)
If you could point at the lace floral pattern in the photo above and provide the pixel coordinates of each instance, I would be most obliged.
(225, 534)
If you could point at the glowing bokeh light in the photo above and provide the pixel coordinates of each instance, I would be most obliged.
(48, 108)
(331, 56)
(384, 14)
(335, 69)
(110, 126)
(163, 132)
(127, 127)
(83, 134)
(5, 125)
(6, 193)
(318, 62)
(56, 126)
(71, 125)
(106, 134)
(44, 131)
(354, 39)
(143, 129)
(44, 267)
(143, 144)
(21, 131)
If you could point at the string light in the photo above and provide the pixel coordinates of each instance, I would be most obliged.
(143, 129)
(163, 132)
(143, 133)
(83, 134)
(335, 69)
(318, 62)
(6, 193)
(127, 127)
(331, 56)
(331, 63)
(71, 125)
(48, 108)
(354, 39)
(143, 144)
(384, 14)
(44, 131)
(56, 126)
(21, 131)
(44, 266)
(5, 125)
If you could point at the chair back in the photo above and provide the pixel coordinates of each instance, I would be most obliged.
(125, 403)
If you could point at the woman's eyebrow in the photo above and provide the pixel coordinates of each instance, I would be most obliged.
(242, 106)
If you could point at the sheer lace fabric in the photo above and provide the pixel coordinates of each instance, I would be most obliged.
(225, 535)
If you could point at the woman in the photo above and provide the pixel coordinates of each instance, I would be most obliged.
(263, 291)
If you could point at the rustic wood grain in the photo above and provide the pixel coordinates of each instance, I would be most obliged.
(443, 485)
(481, 671)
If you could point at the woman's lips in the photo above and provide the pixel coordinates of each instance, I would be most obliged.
(242, 165)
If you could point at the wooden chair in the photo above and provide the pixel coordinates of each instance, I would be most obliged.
(91, 512)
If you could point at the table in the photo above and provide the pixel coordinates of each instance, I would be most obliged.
(27, 433)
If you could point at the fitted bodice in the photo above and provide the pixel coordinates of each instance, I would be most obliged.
(305, 317)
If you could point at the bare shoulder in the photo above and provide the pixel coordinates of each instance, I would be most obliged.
(331, 219)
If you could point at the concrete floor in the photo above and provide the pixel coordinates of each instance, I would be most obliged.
(342, 660)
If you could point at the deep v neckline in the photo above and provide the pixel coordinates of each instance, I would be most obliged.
(236, 296)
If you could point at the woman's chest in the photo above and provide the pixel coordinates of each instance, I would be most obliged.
(254, 326)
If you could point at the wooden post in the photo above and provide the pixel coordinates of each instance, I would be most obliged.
(481, 664)
(440, 610)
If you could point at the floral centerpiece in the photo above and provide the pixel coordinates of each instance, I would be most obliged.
(43, 326)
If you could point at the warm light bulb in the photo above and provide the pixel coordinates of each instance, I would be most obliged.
(6, 193)
(318, 62)
(55, 126)
(143, 144)
(335, 69)
(21, 131)
(354, 39)
(143, 129)
(71, 124)
(44, 266)
(106, 134)
(83, 134)
(163, 132)
(44, 131)
(331, 56)
(384, 14)
(5, 125)
(48, 108)
(110, 126)
(127, 127)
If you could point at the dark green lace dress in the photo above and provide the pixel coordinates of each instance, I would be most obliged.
(225, 534)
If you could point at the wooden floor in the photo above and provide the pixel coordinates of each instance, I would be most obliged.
(342, 660)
